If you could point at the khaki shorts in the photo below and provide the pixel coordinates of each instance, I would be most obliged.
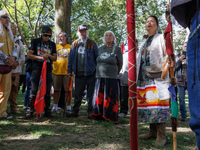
(59, 81)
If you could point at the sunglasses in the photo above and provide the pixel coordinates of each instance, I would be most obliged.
(46, 35)
(14, 28)
(5, 17)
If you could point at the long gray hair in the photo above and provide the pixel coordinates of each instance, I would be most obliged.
(3, 12)
(79, 34)
(105, 36)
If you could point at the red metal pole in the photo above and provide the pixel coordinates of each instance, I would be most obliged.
(132, 74)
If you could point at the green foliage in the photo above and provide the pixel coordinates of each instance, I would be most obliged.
(179, 36)
(145, 8)
(98, 15)
(32, 15)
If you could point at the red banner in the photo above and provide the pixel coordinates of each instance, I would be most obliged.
(40, 98)
(168, 39)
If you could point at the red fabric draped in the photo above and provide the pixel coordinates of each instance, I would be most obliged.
(132, 74)
(122, 48)
(40, 101)
(168, 39)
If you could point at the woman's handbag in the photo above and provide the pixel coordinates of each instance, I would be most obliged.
(154, 71)
(4, 69)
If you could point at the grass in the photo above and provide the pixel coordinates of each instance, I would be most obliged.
(61, 133)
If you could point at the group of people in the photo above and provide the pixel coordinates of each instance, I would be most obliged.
(98, 69)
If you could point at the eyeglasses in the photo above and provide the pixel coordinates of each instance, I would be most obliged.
(46, 35)
(14, 28)
(5, 17)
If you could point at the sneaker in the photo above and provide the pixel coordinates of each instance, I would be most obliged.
(59, 108)
(48, 115)
(53, 110)
(86, 103)
(25, 107)
(7, 117)
(15, 111)
(72, 114)
(122, 115)
(90, 117)
(29, 116)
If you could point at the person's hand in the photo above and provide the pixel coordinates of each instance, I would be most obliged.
(10, 61)
(15, 64)
(182, 57)
(45, 56)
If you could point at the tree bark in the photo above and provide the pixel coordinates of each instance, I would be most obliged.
(62, 18)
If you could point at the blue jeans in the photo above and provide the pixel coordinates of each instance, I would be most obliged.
(28, 84)
(194, 89)
(181, 92)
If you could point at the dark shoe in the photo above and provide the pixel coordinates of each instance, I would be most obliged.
(15, 111)
(151, 134)
(7, 117)
(90, 117)
(72, 114)
(161, 135)
(29, 116)
(25, 107)
(183, 119)
(48, 115)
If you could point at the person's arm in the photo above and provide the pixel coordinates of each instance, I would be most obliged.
(179, 62)
(119, 59)
(96, 50)
(53, 57)
(3, 56)
(35, 57)
(21, 58)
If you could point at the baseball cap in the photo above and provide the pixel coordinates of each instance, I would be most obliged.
(46, 29)
(82, 27)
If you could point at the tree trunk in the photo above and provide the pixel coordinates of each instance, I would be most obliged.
(62, 18)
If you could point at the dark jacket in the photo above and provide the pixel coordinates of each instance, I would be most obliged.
(90, 59)
(183, 10)
(181, 70)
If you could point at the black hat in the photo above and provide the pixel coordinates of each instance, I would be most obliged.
(82, 27)
(46, 29)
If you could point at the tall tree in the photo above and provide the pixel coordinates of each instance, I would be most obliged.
(62, 18)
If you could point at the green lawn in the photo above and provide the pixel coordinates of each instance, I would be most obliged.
(61, 133)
